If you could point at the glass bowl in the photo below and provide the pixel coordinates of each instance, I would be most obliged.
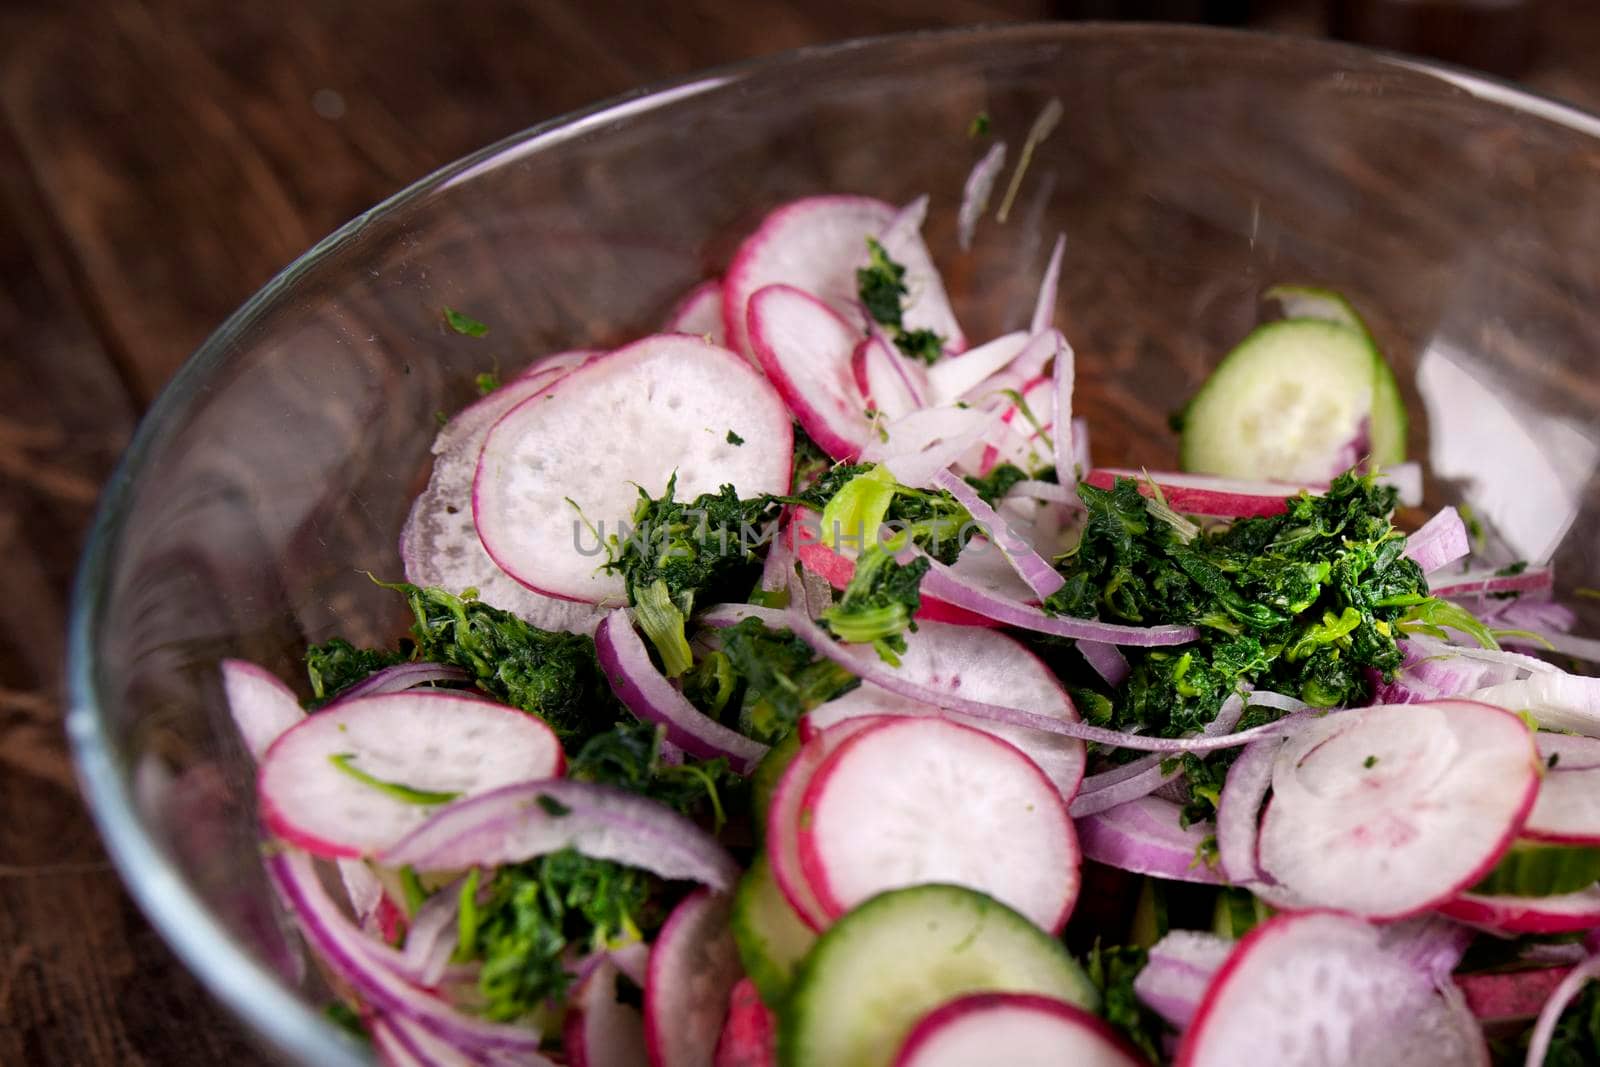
(1191, 170)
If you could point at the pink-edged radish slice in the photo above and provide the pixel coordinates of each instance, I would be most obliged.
(807, 351)
(439, 544)
(749, 1037)
(1026, 442)
(1318, 989)
(783, 818)
(1439, 542)
(1509, 996)
(912, 801)
(925, 306)
(565, 466)
(1567, 752)
(601, 1031)
(1015, 1029)
(952, 379)
(263, 708)
(1562, 914)
(891, 384)
(699, 313)
(1204, 494)
(355, 779)
(694, 965)
(979, 664)
(1561, 998)
(1389, 810)
(1146, 836)
(1178, 971)
(557, 366)
(815, 245)
(1567, 810)
(535, 818)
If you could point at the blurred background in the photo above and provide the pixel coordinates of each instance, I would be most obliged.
(161, 159)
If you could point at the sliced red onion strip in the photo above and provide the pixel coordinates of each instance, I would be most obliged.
(1239, 810)
(1107, 660)
(1584, 648)
(950, 379)
(528, 819)
(1479, 584)
(1048, 491)
(944, 584)
(400, 677)
(921, 444)
(1178, 973)
(1029, 565)
(1439, 542)
(1146, 836)
(1545, 1028)
(649, 695)
(976, 191)
(343, 948)
(863, 662)
(1080, 444)
(1064, 374)
(1121, 784)
(724, 615)
(430, 940)
(775, 569)
(1430, 647)
(1044, 308)
(1529, 612)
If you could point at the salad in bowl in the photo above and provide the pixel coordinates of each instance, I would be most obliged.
(796, 685)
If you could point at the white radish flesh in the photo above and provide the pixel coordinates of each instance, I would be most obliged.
(951, 379)
(694, 964)
(263, 708)
(916, 801)
(807, 351)
(699, 313)
(1388, 810)
(887, 380)
(1015, 1029)
(569, 463)
(1567, 809)
(432, 743)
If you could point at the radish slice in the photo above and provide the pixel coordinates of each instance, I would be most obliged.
(812, 244)
(1388, 810)
(518, 822)
(1178, 972)
(807, 351)
(1508, 915)
(1567, 809)
(1029, 443)
(1031, 567)
(926, 306)
(980, 665)
(1559, 701)
(649, 695)
(1567, 752)
(439, 544)
(951, 379)
(660, 407)
(317, 781)
(693, 967)
(915, 801)
(1016, 1029)
(1318, 989)
(1509, 996)
(1208, 495)
(749, 1037)
(1545, 1029)
(556, 366)
(916, 447)
(783, 818)
(341, 947)
(1145, 836)
(976, 192)
(1239, 810)
(1044, 308)
(886, 378)
(700, 313)
(1439, 542)
(600, 1030)
(263, 708)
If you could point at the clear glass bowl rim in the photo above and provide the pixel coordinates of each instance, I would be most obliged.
(287, 1024)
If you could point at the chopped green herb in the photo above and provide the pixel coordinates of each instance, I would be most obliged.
(979, 126)
(397, 790)
(734, 439)
(487, 382)
(1112, 970)
(336, 665)
(465, 325)
(881, 286)
(777, 678)
(1370, 762)
(412, 890)
(346, 1018)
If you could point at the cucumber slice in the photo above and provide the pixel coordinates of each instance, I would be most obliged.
(1535, 869)
(1387, 429)
(772, 939)
(1285, 405)
(901, 954)
(764, 779)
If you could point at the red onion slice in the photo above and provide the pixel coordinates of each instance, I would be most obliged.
(649, 695)
(921, 444)
(1044, 308)
(1239, 810)
(1145, 836)
(343, 949)
(1545, 1028)
(1029, 565)
(1178, 972)
(724, 615)
(1107, 660)
(943, 583)
(1480, 584)
(976, 191)
(1439, 542)
(1144, 776)
(519, 822)
(1064, 373)
(1048, 491)
(400, 677)
(263, 708)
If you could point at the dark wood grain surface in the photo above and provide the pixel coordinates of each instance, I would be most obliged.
(160, 160)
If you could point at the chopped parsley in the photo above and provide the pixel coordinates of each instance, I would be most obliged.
(734, 439)
(1112, 970)
(881, 286)
(979, 126)
(465, 325)
(336, 665)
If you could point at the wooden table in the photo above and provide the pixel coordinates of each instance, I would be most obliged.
(161, 159)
